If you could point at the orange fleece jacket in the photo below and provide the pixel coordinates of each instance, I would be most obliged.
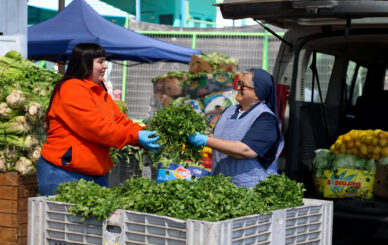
(84, 122)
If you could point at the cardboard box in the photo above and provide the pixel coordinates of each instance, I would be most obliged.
(208, 83)
(381, 182)
(177, 171)
(197, 64)
(14, 194)
(345, 183)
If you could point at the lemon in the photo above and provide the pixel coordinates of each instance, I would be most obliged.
(375, 157)
(377, 150)
(347, 137)
(364, 149)
(384, 151)
(383, 142)
(350, 144)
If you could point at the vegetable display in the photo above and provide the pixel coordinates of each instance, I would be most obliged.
(25, 90)
(211, 198)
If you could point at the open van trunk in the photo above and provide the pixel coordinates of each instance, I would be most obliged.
(334, 58)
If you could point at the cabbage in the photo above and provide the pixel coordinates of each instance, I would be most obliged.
(345, 161)
(323, 159)
(360, 163)
(383, 161)
(370, 165)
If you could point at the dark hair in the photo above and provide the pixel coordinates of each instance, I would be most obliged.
(80, 66)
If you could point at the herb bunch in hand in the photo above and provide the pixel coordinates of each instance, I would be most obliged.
(174, 123)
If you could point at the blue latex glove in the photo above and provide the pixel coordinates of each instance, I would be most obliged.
(198, 139)
(147, 142)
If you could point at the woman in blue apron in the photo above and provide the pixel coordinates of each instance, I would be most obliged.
(247, 138)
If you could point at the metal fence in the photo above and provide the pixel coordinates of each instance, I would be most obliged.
(251, 49)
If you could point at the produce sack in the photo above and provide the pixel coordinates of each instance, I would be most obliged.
(344, 183)
(212, 62)
(216, 103)
(178, 171)
(168, 87)
(205, 83)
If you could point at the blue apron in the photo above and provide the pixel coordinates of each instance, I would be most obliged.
(244, 172)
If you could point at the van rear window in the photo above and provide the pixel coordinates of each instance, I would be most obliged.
(357, 73)
(324, 64)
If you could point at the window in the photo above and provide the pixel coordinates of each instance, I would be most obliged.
(166, 19)
(197, 23)
(324, 64)
(386, 80)
(208, 24)
(359, 73)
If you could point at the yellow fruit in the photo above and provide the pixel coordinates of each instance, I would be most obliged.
(357, 144)
(347, 137)
(383, 142)
(332, 147)
(384, 151)
(350, 144)
(370, 148)
(364, 149)
(376, 150)
(375, 141)
(207, 149)
(343, 148)
(368, 139)
(354, 151)
(376, 157)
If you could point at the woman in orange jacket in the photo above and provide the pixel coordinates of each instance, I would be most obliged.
(83, 122)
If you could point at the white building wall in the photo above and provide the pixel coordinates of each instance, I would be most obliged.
(13, 26)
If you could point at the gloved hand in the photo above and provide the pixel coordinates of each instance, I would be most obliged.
(198, 139)
(147, 142)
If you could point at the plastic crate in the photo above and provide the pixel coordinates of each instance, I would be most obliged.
(51, 223)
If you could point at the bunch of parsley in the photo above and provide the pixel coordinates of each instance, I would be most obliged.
(174, 123)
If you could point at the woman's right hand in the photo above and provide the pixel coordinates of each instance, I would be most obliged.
(198, 139)
(146, 141)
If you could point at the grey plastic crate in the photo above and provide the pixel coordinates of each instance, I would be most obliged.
(51, 223)
(310, 224)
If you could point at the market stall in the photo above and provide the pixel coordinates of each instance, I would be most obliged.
(55, 38)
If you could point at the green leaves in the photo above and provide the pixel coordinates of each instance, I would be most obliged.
(174, 124)
(211, 198)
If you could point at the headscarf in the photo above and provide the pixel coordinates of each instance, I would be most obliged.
(265, 88)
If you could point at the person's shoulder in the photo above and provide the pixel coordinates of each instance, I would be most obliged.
(267, 116)
(75, 83)
(74, 87)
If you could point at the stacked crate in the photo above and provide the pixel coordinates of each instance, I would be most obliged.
(14, 193)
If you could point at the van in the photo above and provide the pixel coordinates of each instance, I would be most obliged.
(334, 61)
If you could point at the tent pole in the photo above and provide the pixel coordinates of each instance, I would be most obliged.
(265, 51)
(61, 65)
(124, 80)
(138, 10)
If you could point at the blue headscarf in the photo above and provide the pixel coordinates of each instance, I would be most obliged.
(265, 88)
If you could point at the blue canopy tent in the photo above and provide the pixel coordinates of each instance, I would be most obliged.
(55, 38)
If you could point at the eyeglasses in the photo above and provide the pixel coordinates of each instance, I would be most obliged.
(242, 85)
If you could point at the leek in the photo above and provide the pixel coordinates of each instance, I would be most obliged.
(17, 125)
(22, 143)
